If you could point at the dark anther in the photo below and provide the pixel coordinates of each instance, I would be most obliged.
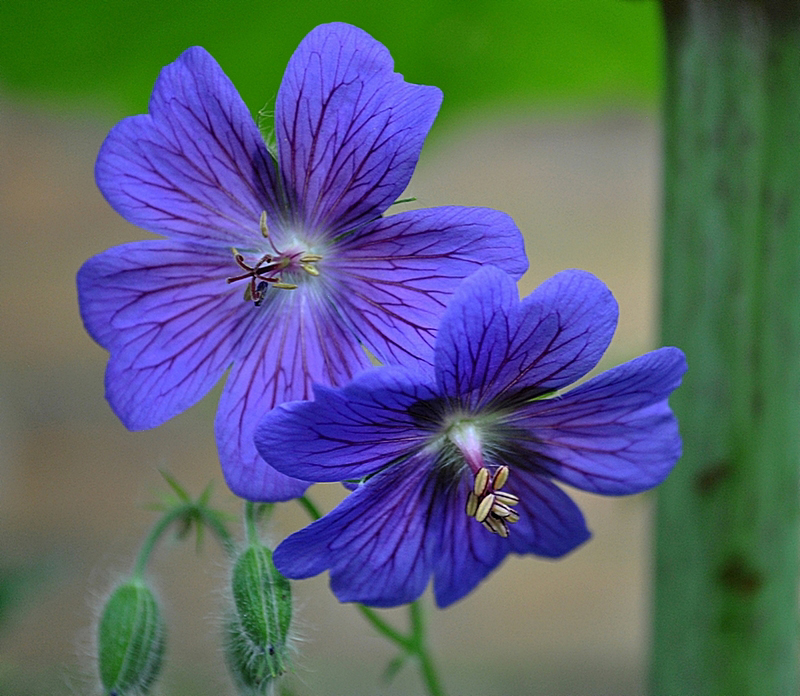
(260, 294)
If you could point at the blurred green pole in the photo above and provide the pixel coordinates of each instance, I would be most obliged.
(726, 585)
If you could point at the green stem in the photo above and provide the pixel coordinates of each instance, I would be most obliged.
(384, 628)
(414, 644)
(728, 521)
(418, 636)
(224, 537)
(250, 522)
(255, 513)
(309, 507)
(152, 539)
(173, 515)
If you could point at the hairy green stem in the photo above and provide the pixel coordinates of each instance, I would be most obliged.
(728, 520)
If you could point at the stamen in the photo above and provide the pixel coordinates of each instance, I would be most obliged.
(489, 505)
(506, 498)
(268, 269)
(481, 482)
(501, 510)
(498, 526)
(484, 508)
(500, 477)
(472, 504)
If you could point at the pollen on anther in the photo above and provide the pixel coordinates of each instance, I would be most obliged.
(496, 525)
(484, 508)
(490, 506)
(472, 504)
(481, 482)
(501, 510)
(506, 498)
(500, 477)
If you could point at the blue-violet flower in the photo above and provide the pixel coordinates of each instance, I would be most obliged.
(278, 264)
(456, 463)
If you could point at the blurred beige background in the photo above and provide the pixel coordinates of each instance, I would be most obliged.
(74, 482)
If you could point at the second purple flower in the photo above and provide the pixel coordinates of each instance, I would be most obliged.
(278, 265)
(456, 464)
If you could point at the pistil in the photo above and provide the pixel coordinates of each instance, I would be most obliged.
(266, 271)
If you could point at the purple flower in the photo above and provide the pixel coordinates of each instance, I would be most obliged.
(457, 463)
(279, 265)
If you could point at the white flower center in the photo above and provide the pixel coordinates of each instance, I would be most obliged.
(271, 269)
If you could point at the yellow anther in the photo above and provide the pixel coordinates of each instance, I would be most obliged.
(284, 286)
(501, 510)
(489, 505)
(481, 482)
(262, 224)
(484, 508)
(309, 269)
(500, 477)
(472, 504)
(310, 258)
(506, 498)
(496, 525)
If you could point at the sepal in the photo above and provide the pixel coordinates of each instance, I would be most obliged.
(257, 633)
(130, 640)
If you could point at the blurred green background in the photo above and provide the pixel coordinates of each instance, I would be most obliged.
(550, 114)
(482, 53)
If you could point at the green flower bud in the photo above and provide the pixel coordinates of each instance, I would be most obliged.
(130, 640)
(257, 634)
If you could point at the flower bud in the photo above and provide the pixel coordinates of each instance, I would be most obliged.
(130, 640)
(257, 633)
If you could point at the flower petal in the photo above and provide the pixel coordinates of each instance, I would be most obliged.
(195, 168)
(466, 551)
(170, 321)
(299, 340)
(349, 129)
(377, 543)
(550, 523)
(400, 272)
(615, 434)
(492, 347)
(346, 433)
